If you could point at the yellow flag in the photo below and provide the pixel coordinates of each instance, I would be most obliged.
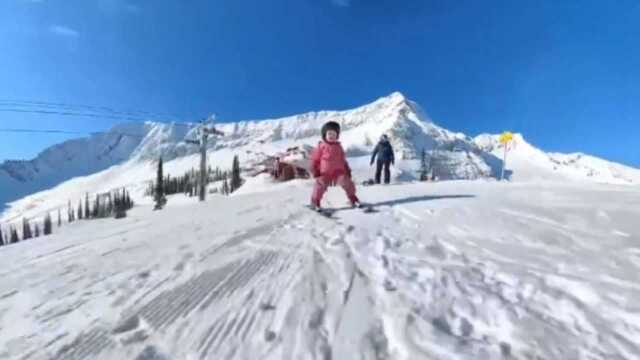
(506, 137)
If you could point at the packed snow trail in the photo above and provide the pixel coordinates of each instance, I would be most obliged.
(457, 270)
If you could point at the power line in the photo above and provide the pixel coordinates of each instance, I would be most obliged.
(43, 131)
(46, 104)
(68, 132)
(86, 111)
(49, 131)
(48, 112)
(111, 114)
(90, 115)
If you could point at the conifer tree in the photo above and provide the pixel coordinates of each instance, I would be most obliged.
(225, 187)
(424, 166)
(120, 211)
(48, 226)
(87, 212)
(80, 213)
(160, 199)
(96, 213)
(69, 212)
(26, 229)
(1, 237)
(236, 180)
(36, 232)
(109, 210)
(14, 235)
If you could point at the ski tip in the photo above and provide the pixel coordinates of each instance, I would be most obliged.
(321, 211)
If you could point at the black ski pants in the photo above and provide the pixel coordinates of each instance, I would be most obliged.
(387, 172)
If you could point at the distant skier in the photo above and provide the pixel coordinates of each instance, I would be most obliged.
(386, 158)
(329, 166)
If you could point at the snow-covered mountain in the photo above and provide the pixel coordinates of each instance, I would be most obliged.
(85, 156)
(134, 145)
(528, 163)
(125, 155)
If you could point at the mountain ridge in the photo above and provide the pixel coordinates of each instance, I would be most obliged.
(454, 155)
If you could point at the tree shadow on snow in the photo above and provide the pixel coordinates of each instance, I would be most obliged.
(415, 199)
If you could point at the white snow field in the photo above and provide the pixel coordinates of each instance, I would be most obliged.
(452, 270)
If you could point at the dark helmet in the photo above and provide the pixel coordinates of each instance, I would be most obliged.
(384, 138)
(331, 125)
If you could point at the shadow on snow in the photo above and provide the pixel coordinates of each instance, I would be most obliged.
(415, 199)
(409, 200)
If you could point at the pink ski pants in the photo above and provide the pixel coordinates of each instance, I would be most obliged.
(323, 182)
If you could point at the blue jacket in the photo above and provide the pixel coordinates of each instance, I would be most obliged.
(384, 151)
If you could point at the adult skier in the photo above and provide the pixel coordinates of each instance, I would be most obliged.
(386, 158)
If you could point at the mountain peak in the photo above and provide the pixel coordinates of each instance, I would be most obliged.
(395, 98)
(397, 95)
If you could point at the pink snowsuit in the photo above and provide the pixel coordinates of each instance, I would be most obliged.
(329, 166)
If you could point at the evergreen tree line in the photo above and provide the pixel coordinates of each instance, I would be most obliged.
(189, 182)
(116, 205)
(9, 238)
(231, 181)
(28, 231)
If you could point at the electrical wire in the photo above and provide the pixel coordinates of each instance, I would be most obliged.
(93, 115)
(66, 113)
(53, 131)
(73, 110)
(77, 107)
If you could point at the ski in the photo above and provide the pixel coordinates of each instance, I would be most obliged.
(366, 208)
(328, 213)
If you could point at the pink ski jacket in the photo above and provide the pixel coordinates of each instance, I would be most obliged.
(328, 160)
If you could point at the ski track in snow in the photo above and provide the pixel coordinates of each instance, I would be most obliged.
(470, 271)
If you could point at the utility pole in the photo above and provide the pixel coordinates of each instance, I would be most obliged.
(204, 132)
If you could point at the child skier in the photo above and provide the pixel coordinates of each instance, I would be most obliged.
(329, 166)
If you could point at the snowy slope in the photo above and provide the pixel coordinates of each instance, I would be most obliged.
(452, 270)
(82, 157)
(529, 163)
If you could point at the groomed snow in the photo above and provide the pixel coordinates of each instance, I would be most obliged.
(451, 270)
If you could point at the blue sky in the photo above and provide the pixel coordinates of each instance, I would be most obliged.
(564, 73)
